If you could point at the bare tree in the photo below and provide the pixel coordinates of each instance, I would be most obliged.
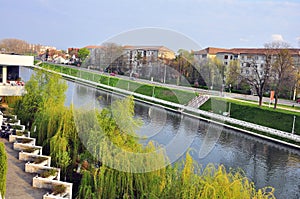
(283, 72)
(15, 46)
(112, 55)
(257, 75)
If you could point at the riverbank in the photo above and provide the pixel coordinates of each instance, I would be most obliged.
(257, 130)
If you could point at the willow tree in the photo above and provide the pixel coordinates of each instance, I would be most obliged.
(50, 107)
(117, 176)
(64, 153)
(3, 170)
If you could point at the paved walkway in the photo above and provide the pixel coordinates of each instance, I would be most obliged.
(19, 183)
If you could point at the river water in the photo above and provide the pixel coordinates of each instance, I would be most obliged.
(266, 163)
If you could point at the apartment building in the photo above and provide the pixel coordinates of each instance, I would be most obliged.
(245, 56)
(127, 58)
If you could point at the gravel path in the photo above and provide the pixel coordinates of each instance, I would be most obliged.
(19, 183)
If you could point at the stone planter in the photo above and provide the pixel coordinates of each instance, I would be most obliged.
(44, 183)
(34, 168)
(24, 147)
(12, 138)
(29, 157)
(24, 140)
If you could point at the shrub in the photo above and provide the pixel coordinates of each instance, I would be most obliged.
(47, 173)
(58, 189)
(17, 127)
(29, 149)
(3, 170)
(39, 160)
(24, 140)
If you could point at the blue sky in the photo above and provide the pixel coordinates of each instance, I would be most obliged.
(219, 23)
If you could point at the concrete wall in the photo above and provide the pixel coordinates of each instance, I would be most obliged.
(16, 60)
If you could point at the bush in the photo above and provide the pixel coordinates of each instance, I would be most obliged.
(3, 170)
(24, 140)
(47, 173)
(39, 160)
(58, 189)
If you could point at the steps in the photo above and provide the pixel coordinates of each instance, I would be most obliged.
(47, 177)
(198, 101)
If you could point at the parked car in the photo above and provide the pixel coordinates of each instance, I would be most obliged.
(298, 101)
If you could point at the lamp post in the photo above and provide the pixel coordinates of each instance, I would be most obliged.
(293, 128)
(153, 91)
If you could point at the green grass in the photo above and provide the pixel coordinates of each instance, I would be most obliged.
(278, 119)
(171, 95)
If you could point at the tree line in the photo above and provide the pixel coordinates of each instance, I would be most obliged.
(17, 46)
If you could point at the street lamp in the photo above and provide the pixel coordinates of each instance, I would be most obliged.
(293, 128)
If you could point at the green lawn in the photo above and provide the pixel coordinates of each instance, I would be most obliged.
(171, 95)
(278, 119)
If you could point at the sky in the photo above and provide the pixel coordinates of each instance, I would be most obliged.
(188, 24)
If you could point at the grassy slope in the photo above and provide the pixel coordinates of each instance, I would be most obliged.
(171, 95)
(278, 119)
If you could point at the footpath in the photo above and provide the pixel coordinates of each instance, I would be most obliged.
(19, 183)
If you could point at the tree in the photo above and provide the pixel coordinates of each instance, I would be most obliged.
(83, 53)
(15, 46)
(257, 75)
(283, 72)
(233, 72)
(3, 170)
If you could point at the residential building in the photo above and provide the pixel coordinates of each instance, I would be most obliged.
(10, 84)
(243, 55)
(126, 59)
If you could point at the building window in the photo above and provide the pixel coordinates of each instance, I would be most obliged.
(204, 56)
(242, 57)
(225, 56)
(225, 63)
(256, 57)
(231, 57)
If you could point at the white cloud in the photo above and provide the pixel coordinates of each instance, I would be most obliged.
(244, 40)
(277, 37)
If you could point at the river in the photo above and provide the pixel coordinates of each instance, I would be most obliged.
(266, 163)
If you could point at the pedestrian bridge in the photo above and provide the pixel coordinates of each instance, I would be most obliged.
(9, 74)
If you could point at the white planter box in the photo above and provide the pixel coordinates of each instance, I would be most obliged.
(34, 168)
(14, 138)
(29, 157)
(20, 147)
(44, 183)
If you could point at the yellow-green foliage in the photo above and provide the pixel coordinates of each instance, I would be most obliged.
(171, 182)
(130, 170)
(3, 170)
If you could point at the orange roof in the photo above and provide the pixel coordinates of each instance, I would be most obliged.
(162, 48)
(93, 46)
(213, 51)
